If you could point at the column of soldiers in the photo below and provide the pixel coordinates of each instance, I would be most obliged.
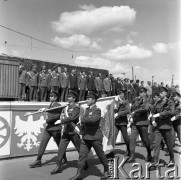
(161, 114)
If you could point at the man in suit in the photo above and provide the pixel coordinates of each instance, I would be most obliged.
(90, 82)
(69, 115)
(137, 87)
(73, 81)
(107, 85)
(64, 80)
(91, 137)
(82, 86)
(131, 91)
(139, 124)
(98, 84)
(161, 120)
(49, 132)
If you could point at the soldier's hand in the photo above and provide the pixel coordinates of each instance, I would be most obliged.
(42, 110)
(149, 117)
(129, 131)
(173, 118)
(154, 123)
(115, 115)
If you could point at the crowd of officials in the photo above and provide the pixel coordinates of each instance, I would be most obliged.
(36, 86)
(152, 111)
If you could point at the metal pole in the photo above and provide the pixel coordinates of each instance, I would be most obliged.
(132, 73)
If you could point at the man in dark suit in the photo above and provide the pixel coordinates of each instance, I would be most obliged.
(91, 137)
(52, 117)
(98, 84)
(137, 87)
(139, 124)
(73, 81)
(161, 119)
(90, 82)
(69, 118)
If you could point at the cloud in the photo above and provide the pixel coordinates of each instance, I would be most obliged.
(97, 62)
(91, 19)
(3, 50)
(160, 48)
(16, 53)
(77, 40)
(128, 52)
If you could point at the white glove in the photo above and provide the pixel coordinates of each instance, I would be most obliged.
(116, 115)
(173, 118)
(154, 123)
(58, 122)
(149, 117)
(129, 131)
(116, 98)
(42, 110)
(131, 120)
(156, 115)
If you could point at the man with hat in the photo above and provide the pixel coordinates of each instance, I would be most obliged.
(49, 132)
(139, 124)
(161, 120)
(91, 137)
(121, 121)
(69, 116)
(43, 84)
(177, 113)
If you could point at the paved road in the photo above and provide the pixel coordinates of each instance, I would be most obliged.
(18, 168)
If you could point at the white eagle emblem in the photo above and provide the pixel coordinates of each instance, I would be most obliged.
(28, 130)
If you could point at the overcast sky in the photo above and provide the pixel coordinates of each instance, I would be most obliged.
(109, 34)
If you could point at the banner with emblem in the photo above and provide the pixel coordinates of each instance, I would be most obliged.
(5, 126)
(26, 131)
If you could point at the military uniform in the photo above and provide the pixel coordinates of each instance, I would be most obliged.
(69, 134)
(49, 132)
(177, 122)
(139, 126)
(43, 83)
(165, 110)
(121, 122)
(91, 137)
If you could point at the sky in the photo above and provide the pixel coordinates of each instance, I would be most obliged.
(108, 34)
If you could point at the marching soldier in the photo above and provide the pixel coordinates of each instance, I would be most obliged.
(69, 118)
(49, 132)
(121, 120)
(139, 125)
(176, 118)
(91, 137)
(161, 119)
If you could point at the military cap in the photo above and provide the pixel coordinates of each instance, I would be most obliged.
(143, 89)
(176, 94)
(54, 93)
(163, 89)
(72, 94)
(54, 67)
(91, 94)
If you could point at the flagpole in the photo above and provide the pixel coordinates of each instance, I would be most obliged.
(132, 73)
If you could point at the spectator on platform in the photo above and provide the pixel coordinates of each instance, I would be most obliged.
(98, 84)
(142, 84)
(90, 82)
(43, 84)
(131, 92)
(155, 88)
(64, 80)
(73, 82)
(137, 87)
(149, 88)
(107, 85)
(33, 83)
(55, 80)
(23, 76)
(82, 86)
(114, 85)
